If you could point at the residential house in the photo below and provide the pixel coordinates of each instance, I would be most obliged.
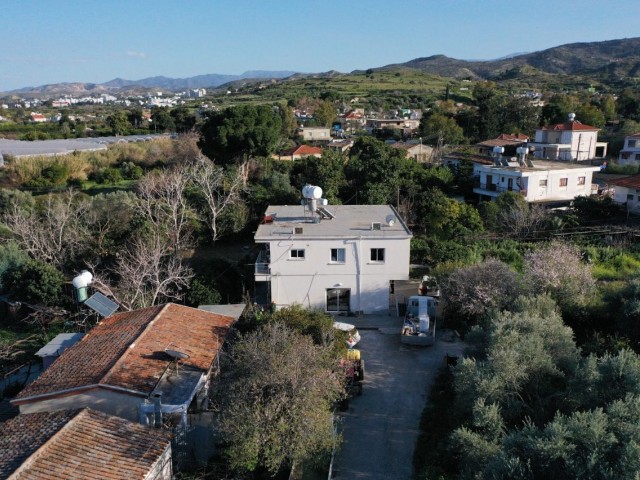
(315, 134)
(338, 259)
(540, 181)
(630, 153)
(84, 444)
(419, 152)
(569, 141)
(163, 354)
(455, 159)
(626, 191)
(38, 117)
(510, 142)
(340, 145)
(405, 124)
(299, 152)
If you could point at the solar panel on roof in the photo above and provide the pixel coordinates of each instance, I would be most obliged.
(101, 304)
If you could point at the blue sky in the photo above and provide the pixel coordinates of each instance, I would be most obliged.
(51, 41)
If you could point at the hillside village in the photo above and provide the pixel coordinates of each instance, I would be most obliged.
(172, 265)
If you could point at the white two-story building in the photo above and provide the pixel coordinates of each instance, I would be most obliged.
(539, 181)
(569, 141)
(338, 259)
(630, 153)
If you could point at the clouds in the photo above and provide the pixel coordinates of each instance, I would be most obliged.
(135, 54)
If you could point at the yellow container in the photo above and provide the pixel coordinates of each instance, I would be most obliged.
(353, 354)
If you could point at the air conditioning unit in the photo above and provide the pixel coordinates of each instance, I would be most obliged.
(376, 226)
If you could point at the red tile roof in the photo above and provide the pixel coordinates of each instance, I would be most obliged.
(632, 181)
(78, 444)
(302, 150)
(574, 126)
(126, 350)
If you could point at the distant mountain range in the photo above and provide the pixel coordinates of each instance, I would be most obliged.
(612, 60)
(212, 80)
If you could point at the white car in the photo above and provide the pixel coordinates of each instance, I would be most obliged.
(353, 337)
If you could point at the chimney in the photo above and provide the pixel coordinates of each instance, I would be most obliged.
(157, 410)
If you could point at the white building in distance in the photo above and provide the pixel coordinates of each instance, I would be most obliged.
(539, 182)
(569, 141)
(338, 259)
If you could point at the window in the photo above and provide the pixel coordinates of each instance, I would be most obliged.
(337, 255)
(377, 254)
(630, 196)
(632, 144)
(297, 253)
(581, 180)
(543, 183)
(338, 299)
(564, 182)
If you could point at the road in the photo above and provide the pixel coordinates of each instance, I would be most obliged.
(381, 427)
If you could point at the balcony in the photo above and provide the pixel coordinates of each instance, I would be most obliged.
(494, 190)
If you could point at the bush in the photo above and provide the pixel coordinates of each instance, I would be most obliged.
(34, 282)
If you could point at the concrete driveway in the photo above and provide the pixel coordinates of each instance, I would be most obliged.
(381, 427)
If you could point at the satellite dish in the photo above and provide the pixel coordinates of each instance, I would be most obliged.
(391, 220)
(175, 354)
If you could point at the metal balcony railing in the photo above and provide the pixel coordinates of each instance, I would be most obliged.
(263, 263)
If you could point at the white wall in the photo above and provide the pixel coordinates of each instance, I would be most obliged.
(306, 281)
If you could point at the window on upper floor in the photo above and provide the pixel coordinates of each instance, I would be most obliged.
(581, 180)
(296, 253)
(377, 255)
(564, 182)
(543, 183)
(337, 255)
(630, 196)
(631, 144)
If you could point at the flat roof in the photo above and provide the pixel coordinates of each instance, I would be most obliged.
(59, 344)
(543, 166)
(348, 221)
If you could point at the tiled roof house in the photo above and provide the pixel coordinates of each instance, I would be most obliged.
(122, 363)
(82, 444)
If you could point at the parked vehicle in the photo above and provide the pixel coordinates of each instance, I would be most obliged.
(353, 336)
(419, 326)
(429, 286)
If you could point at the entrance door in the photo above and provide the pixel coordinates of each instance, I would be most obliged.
(338, 299)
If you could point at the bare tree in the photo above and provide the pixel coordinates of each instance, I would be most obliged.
(146, 273)
(522, 219)
(54, 232)
(163, 203)
(218, 190)
(558, 269)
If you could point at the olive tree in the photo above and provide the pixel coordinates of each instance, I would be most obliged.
(277, 390)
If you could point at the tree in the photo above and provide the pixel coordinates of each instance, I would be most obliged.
(161, 119)
(118, 122)
(324, 113)
(590, 114)
(326, 172)
(34, 282)
(229, 134)
(277, 391)
(54, 231)
(183, 119)
(475, 291)
(217, 189)
(163, 203)
(147, 272)
(374, 170)
(558, 269)
(486, 98)
(436, 129)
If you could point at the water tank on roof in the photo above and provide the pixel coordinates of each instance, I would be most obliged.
(80, 283)
(311, 191)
